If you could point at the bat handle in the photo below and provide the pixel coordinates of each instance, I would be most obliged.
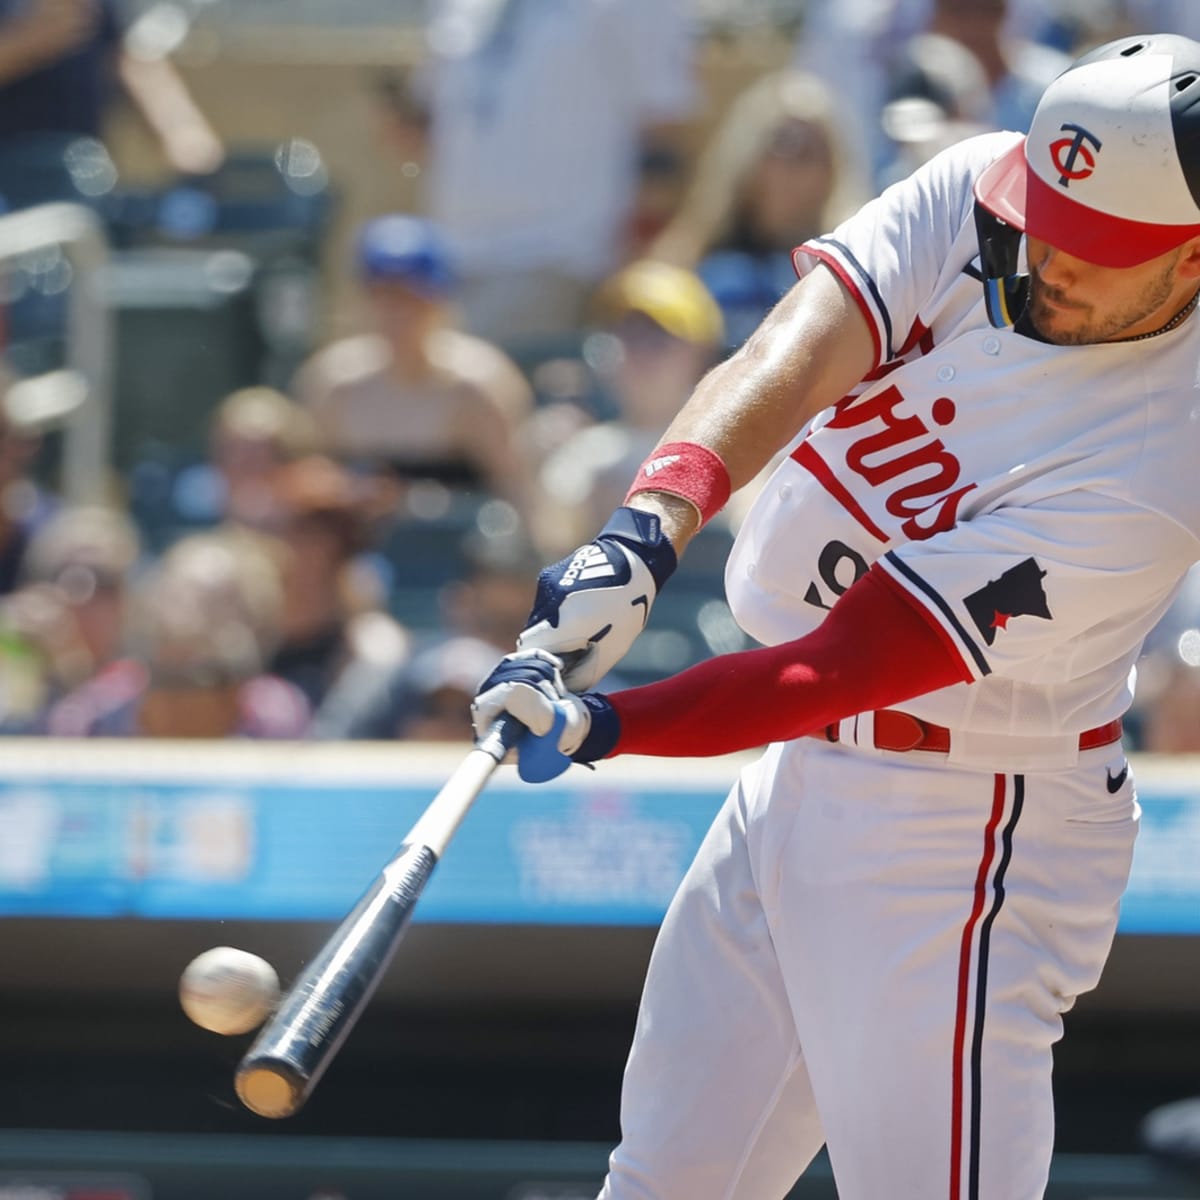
(501, 738)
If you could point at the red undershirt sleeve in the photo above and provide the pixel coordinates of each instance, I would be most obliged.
(875, 649)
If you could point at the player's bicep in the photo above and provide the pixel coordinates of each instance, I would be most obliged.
(1043, 591)
(902, 250)
(822, 323)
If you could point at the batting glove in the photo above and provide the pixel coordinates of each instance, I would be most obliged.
(591, 605)
(562, 727)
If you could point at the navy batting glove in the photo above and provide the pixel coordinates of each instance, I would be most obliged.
(540, 759)
(591, 605)
(562, 727)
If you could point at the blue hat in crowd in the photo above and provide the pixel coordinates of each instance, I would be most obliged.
(407, 250)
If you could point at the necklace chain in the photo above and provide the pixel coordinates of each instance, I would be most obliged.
(1177, 320)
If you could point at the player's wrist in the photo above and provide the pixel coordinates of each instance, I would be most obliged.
(642, 532)
(604, 730)
(689, 471)
(680, 518)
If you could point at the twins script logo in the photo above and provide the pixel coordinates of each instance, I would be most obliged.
(899, 453)
(906, 466)
(1069, 152)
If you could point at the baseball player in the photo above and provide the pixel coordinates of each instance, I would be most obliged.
(952, 572)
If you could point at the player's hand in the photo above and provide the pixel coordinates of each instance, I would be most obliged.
(528, 685)
(591, 605)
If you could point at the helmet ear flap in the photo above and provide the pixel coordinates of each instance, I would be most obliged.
(1004, 289)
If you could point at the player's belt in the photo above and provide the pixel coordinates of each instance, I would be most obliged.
(901, 731)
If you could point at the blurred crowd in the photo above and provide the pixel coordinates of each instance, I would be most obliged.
(353, 538)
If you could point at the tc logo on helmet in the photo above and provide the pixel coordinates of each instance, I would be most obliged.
(1069, 151)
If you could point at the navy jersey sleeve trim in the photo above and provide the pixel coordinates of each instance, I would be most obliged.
(885, 317)
(944, 610)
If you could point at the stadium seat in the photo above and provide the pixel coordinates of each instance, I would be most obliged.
(426, 546)
(186, 336)
(47, 167)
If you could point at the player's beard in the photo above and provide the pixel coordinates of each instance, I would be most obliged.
(1078, 324)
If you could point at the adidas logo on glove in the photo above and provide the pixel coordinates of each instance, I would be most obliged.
(590, 562)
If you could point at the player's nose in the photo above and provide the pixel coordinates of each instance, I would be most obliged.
(1055, 266)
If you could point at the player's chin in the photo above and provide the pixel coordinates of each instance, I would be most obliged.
(1061, 326)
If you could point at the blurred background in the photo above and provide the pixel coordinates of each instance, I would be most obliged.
(322, 328)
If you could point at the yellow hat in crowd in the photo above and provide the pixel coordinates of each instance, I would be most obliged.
(670, 296)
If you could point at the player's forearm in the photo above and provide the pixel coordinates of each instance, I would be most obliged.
(811, 350)
(874, 650)
(808, 353)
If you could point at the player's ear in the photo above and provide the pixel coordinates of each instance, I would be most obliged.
(1189, 261)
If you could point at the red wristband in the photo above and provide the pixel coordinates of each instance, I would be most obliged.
(688, 470)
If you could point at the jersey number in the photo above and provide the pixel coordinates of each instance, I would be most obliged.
(835, 575)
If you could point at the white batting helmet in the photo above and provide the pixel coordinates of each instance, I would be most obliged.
(1110, 169)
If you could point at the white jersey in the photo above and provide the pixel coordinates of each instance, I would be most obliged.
(1041, 503)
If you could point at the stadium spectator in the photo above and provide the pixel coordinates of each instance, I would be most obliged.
(210, 618)
(492, 599)
(481, 608)
(1171, 16)
(664, 330)
(939, 94)
(256, 431)
(539, 115)
(662, 180)
(859, 48)
(1102, 20)
(849, 45)
(414, 396)
(65, 626)
(439, 686)
(206, 619)
(59, 62)
(25, 502)
(773, 174)
(337, 644)
(1017, 68)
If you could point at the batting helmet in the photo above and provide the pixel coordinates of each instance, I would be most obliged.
(1109, 171)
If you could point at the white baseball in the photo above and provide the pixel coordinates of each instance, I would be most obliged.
(228, 991)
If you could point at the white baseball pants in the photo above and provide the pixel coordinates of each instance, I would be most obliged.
(873, 951)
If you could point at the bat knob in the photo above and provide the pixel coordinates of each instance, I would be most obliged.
(501, 738)
(270, 1089)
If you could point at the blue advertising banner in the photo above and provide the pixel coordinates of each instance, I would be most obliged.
(241, 833)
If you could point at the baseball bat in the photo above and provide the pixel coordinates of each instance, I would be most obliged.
(279, 1071)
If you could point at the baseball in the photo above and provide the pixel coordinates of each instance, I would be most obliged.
(228, 991)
